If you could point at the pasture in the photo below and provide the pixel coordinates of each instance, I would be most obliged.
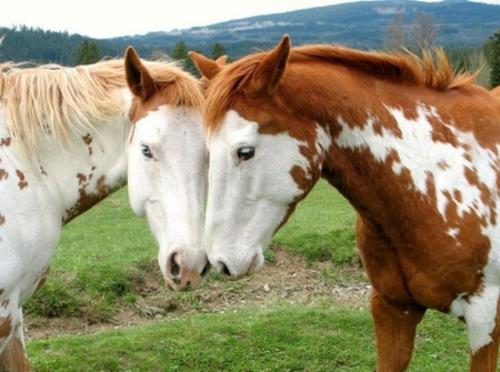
(104, 306)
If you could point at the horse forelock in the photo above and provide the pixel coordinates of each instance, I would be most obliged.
(432, 71)
(185, 93)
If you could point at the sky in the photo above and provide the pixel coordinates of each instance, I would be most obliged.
(108, 18)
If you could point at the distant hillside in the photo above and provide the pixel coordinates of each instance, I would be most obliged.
(360, 24)
(37, 45)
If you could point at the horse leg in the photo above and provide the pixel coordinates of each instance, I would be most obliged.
(13, 357)
(394, 311)
(395, 327)
(485, 359)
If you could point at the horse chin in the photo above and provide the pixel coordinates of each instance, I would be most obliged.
(188, 283)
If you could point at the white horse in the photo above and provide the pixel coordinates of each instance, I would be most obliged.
(68, 136)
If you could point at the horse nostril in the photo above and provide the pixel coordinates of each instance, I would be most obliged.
(174, 266)
(224, 269)
(206, 269)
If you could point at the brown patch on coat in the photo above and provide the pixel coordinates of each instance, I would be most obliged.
(2, 221)
(300, 177)
(88, 198)
(43, 278)
(42, 171)
(5, 141)
(81, 178)
(5, 326)
(5, 303)
(14, 358)
(87, 139)
(443, 165)
(3, 174)
(22, 179)
(101, 185)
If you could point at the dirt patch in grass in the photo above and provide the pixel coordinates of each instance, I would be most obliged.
(288, 278)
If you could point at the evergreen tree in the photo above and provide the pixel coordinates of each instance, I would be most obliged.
(88, 52)
(218, 50)
(180, 53)
(494, 54)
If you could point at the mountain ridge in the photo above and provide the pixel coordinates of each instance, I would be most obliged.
(361, 24)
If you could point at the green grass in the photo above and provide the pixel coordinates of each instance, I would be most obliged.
(283, 338)
(101, 255)
(100, 267)
(322, 227)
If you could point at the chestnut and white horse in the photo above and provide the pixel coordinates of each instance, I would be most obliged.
(413, 147)
(71, 136)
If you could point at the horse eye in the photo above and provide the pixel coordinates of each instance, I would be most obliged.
(245, 152)
(146, 151)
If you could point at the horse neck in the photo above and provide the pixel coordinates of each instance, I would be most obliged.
(87, 167)
(396, 142)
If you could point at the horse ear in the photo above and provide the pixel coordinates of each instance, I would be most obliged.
(270, 71)
(207, 67)
(222, 60)
(139, 80)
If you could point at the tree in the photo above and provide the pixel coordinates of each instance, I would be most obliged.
(218, 50)
(424, 30)
(394, 38)
(494, 55)
(180, 53)
(88, 52)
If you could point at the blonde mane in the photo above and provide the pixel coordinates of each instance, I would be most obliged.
(433, 71)
(51, 100)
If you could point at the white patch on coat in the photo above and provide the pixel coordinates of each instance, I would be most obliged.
(479, 312)
(422, 156)
(323, 140)
(247, 200)
(453, 232)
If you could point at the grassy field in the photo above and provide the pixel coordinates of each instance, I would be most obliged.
(103, 255)
(105, 267)
(278, 339)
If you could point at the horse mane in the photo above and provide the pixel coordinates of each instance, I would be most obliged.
(53, 100)
(432, 70)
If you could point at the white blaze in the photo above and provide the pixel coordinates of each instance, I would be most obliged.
(170, 188)
(248, 199)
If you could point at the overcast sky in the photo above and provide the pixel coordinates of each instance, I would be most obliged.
(107, 18)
